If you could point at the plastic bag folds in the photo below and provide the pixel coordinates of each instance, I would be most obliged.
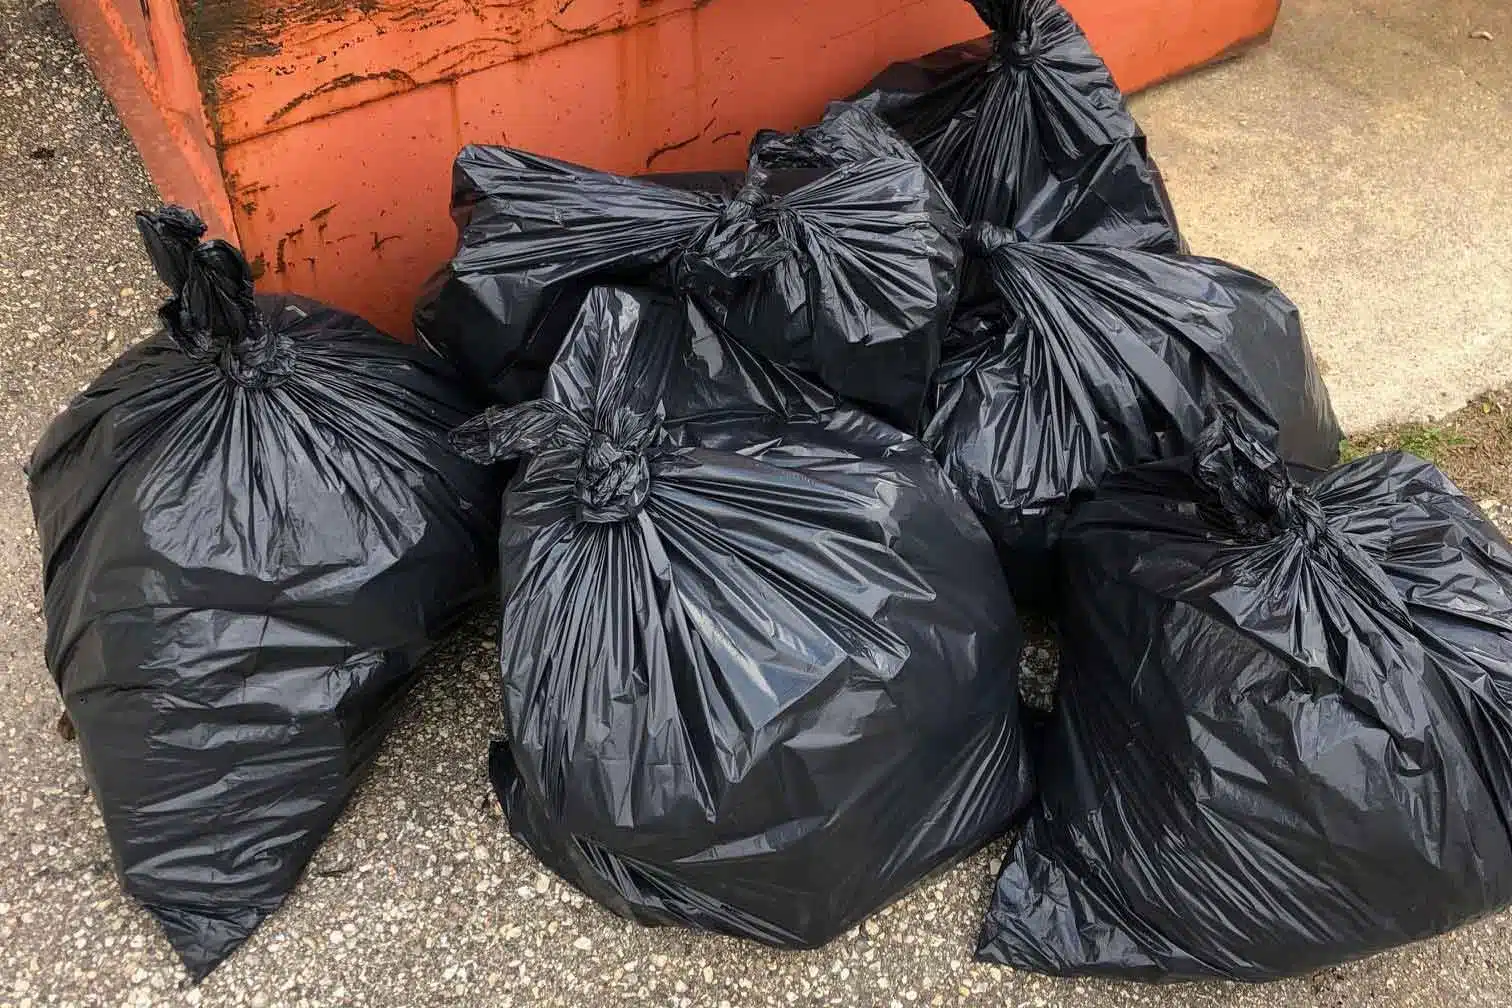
(1027, 130)
(848, 273)
(759, 661)
(1284, 736)
(253, 529)
(1094, 359)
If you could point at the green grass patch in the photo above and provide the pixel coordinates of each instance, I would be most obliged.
(1426, 441)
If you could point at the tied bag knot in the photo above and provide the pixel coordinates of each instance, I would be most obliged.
(1018, 50)
(751, 197)
(614, 465)
(1262, 503)
(983, 239)
(746, 239)
(1015, 42)
(613, 480)
(1252, 484)
(213, 314)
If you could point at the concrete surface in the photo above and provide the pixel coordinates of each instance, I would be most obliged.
(1363, 161)
(419, 898)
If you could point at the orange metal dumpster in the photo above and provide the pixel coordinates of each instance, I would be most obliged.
(319, 135)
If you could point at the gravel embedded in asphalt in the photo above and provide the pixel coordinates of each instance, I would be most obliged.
(419, 897)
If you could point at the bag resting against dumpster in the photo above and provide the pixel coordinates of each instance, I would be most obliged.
(1027, 130)
(848, 274)
(1095, 359)
(253, 529)
(1284, 737)
(760, 664)
(847, 133)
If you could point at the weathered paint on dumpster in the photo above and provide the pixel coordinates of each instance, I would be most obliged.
(137, 51)
(335, 124)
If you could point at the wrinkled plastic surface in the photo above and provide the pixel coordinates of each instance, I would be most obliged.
(1095, 359)
(849, 274)
(1284, 736)
(253, 530)
(1027, 130)
(759, 662)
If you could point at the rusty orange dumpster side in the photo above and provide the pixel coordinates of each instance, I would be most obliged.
(320, 135)
(141, 58)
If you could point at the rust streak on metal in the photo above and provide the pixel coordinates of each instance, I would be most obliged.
(594, 28)
(320, 219)
(679, 145)
(344, 81)
(280, 261)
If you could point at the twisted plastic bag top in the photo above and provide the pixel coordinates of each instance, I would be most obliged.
(615, 465)
(849, 272)
(213, 314)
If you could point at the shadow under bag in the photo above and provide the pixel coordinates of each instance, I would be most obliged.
(253, 530)
(1284, 733)
(760, 665)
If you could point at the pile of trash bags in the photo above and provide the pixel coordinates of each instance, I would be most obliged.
(764, 466)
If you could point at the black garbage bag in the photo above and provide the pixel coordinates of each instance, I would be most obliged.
(1095, 359)
(1027, 130)
(759, 662)
(847, 133)
(1284, 736)
(849, 274)
(253, 529)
